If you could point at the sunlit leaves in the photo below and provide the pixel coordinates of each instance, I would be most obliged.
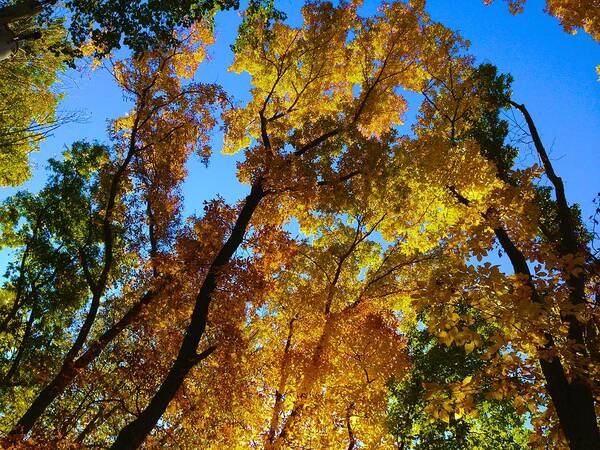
(335, 72)
(362, 272)
(29, 98)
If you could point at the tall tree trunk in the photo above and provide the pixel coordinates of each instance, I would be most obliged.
(15, 364)
(21, 10)
(70, 370)
(574, 405)
(134, 434)
(576, 398)
(279, 393)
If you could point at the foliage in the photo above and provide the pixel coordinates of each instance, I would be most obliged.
(377, 323)
(490, 424)
(45, 285)
(29, 97)
(103, 26)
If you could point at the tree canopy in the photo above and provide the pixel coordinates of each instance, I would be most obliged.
(350, 300)
(29, 97)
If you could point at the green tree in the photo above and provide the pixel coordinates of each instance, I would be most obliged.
(493, 424)
(139, 25)
(555, 239)
(51, 232)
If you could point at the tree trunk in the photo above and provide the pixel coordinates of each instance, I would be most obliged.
(22, 10)
(15, 364)
(134, 434)
(70, 369)
(575, 398)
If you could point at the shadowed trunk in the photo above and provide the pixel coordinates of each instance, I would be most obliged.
(70, 370)
(134, 434)
(28, 8)
(15, 364)
(574, 399)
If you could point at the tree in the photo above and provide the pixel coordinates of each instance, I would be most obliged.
(29, 99)
(292, 106)
(165, 111)
(489, 424)
(523, 236)
(341, 347)
(139, 25)
(344, 302)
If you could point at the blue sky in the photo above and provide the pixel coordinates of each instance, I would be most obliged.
(554, 76)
